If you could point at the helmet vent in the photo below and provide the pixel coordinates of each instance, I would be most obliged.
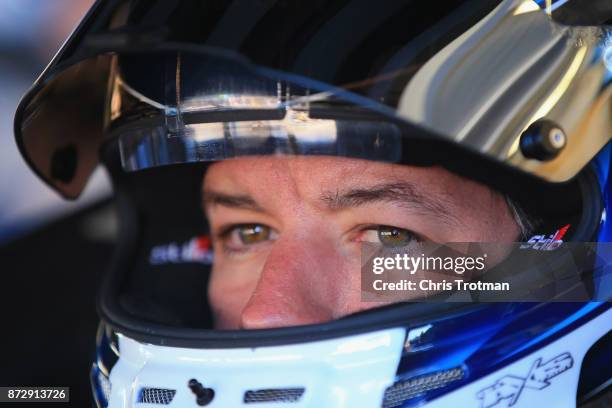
(273, 395)
(161, 396)
(403, 390)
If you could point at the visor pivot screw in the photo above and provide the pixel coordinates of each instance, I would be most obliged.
(204, 395)
(543, 140)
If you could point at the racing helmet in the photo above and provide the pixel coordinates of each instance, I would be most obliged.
(513, 94)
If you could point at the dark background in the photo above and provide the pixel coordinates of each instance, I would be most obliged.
(48, 304)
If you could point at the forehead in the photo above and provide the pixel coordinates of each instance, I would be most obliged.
(313, 175)
(286, 186)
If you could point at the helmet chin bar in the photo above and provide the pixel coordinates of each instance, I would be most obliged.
(351, 371)
(388, 368)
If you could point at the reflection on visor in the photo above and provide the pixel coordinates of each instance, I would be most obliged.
(295, 134)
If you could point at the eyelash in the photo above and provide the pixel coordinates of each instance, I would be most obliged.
(224, 234)
(414, 237)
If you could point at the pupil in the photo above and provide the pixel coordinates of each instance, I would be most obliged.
(252, 233)
(393, 236)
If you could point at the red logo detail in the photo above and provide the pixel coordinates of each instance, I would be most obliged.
(202, 243)
(560, 233)
(197, 249)
(544, 243)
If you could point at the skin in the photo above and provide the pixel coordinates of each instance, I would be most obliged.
(302, 265)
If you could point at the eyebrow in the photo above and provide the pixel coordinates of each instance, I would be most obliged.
(403, 194)
(211, 197)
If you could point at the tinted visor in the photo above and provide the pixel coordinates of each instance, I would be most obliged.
(501, 80)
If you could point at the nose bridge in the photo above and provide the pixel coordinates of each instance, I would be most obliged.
(293, 287)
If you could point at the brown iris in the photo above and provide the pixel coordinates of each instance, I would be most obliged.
(253, 233)
(393, 236)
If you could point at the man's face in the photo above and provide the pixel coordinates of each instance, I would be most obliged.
(287, 231)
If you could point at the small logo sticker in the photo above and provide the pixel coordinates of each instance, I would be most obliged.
(508, 388)
(196, 250)
(544, 243)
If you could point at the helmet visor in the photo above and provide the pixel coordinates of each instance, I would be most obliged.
(502, 80)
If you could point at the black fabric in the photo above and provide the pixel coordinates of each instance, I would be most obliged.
(165, 208)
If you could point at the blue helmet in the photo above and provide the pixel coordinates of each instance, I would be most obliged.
(513, 94)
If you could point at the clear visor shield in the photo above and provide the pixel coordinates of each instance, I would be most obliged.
(243, 112)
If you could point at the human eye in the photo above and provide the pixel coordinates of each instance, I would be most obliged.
(388, 236)
(243, 236)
